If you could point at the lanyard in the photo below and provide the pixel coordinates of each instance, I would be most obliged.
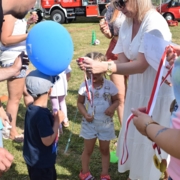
(157, 83)
(89, 86)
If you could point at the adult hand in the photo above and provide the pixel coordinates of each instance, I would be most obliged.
(4, 116)
(172, 53)
(6, 160)
(20, 63)
(92, 66)
(104, 28)
(141, 119)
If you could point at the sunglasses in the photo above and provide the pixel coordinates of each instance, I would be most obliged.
(120, 4)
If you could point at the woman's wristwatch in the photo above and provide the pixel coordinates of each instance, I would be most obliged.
(109, 69)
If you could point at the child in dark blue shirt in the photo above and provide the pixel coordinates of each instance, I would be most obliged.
(40, 129)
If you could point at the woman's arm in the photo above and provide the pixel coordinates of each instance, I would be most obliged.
(7, 39)
(121, 66)
(105, 26)
(166, 138)
(134, 67)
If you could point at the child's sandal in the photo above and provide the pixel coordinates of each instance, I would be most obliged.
(105, 177)
(86, 176)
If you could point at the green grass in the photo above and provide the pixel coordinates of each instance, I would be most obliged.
(69, 164)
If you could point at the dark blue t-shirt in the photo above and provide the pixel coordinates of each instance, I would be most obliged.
(38, 124)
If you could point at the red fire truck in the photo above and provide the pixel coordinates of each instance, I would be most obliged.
(66, 10)
(170, 9)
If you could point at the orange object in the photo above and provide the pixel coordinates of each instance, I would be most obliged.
(3, 98)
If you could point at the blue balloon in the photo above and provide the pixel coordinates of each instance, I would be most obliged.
(49, 47)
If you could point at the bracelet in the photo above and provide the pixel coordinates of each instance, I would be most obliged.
(146, 125)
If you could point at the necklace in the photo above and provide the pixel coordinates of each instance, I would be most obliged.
(99, 87)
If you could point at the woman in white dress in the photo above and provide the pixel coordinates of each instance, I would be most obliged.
(140, 19)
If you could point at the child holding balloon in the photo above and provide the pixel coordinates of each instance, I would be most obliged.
(97, 102)
(58, 94)
(40, 129)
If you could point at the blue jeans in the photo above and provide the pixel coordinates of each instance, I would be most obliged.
(170, 178)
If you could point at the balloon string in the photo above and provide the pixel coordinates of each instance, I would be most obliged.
(69, 139)
(56, 87)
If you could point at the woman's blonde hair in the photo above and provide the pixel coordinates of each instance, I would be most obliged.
(142, 7)
(115, 15)
(96, 56)
(115, 12)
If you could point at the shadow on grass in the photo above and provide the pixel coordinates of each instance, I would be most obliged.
(70, 162)
(68, 165)
(82, 19)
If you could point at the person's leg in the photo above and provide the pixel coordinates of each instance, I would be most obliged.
(63, 107)
(105, 155)
(42, 173)
(54, 173)
(120, 83)
(28, 99)
(55, 107)
(85, 158)
(15, 91)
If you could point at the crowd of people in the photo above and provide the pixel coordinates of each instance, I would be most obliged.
(125, 23)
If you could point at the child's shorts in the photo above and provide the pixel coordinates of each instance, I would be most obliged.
(7, 60)
(100, 129)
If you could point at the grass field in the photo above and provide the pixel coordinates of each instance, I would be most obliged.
(69, 164)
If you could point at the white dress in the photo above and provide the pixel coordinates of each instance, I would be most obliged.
(140, 161)
(60, 86)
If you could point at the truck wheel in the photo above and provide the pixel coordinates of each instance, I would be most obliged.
(168, 16)
(58, 16)
(103, 12)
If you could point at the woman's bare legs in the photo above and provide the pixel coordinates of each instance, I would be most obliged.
(15, 91)
(120, 83)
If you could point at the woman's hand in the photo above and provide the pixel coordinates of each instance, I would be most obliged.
(4, 116)
(172, 53)
(141, 119)
(104, 28)
(92, 66)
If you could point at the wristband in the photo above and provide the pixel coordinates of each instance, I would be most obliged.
(147, 124)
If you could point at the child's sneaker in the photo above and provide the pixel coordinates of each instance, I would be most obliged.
(86, 176)
(105, 177)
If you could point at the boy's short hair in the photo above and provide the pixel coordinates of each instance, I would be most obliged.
(38, 83)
